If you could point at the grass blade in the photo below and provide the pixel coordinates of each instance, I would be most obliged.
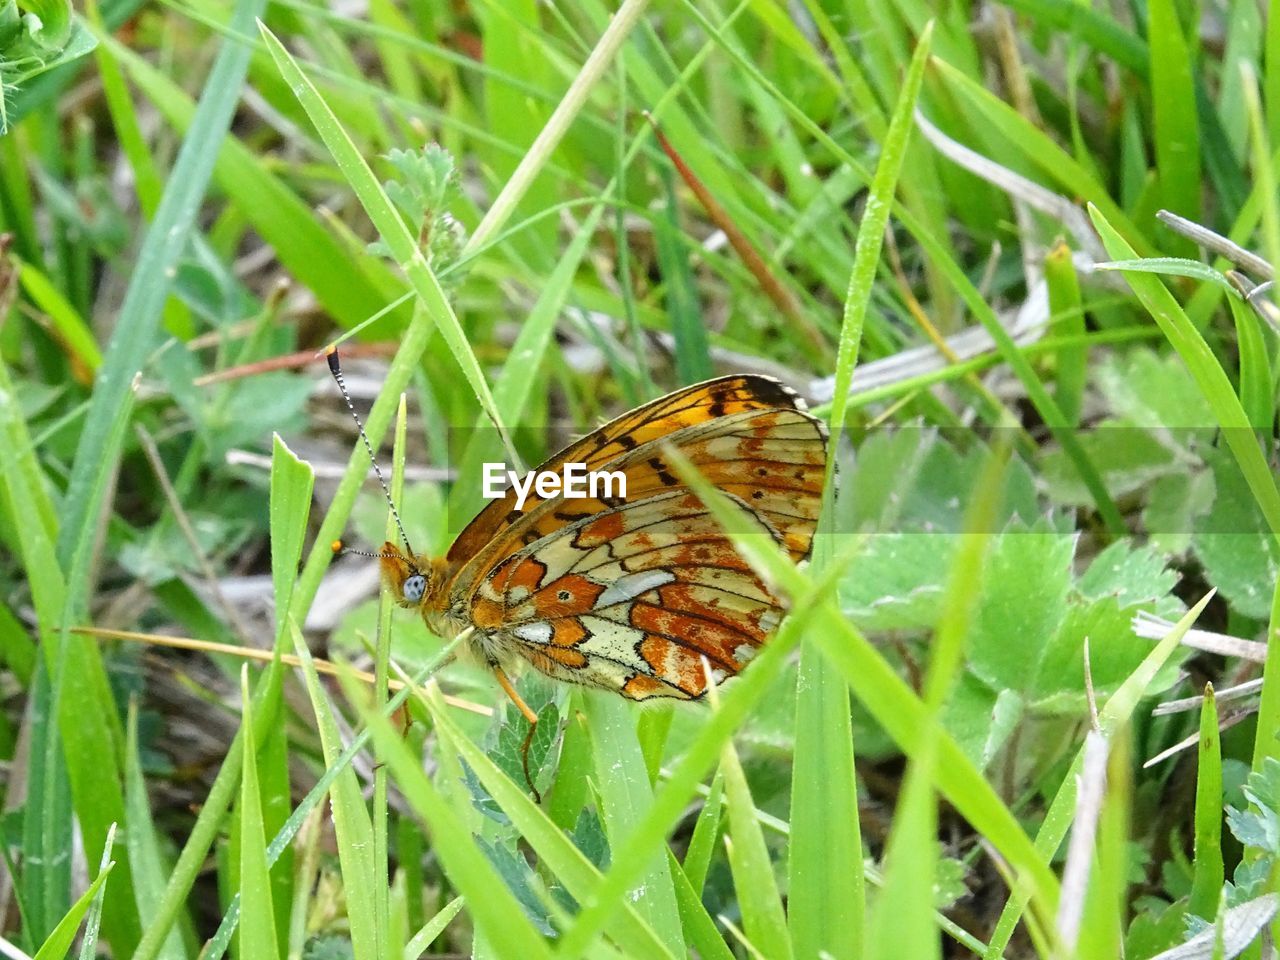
(140, 839)
(350, 820)
(824, 858)
(391, 228)
(257, 918)
(1176, 133)
(763, 919)
(1207, 868)
(58, 944)
(421, 940)
(497, 914)
(622, 780)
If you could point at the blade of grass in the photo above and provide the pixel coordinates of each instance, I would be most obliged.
(58, 944)
(763, 919)
(350, 820)
(496, 913)
(622, 781)
(1256, 395)
(693, 357)
(1102, 928)
(1175, 131)
(1207, 871)
(74, 726)
(140, 839)
(89, 942)
(66, 321)
(697, 859)
(421, 940)
(827, 895)
(292, 482)
(258, 924)
(699, 929)
(1065, 304)
(391, 228)
(1114, 714)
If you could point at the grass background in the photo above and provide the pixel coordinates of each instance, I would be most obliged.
(550, 214)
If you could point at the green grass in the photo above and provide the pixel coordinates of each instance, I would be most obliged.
(529, 218)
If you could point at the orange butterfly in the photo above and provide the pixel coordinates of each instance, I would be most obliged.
(630, 595)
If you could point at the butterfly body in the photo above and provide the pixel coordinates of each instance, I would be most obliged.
(631, 594)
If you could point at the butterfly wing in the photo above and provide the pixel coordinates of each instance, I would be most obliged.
(631, 596)
(631, 600)
(657, 420)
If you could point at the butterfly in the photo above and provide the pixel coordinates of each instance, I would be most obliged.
(631, 594)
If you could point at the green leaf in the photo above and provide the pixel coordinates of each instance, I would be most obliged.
(432, 929)
(1176, 132)
(623, 784)
(149, 869)
(763, 919)
(58, 944)
(1232, 541)
(1022, 603)
(1207, 866)
(292, 481)
(257, 915)
(1128, 574)
(350, 819)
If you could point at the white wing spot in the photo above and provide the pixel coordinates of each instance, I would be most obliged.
(632, 585)
(537, 632)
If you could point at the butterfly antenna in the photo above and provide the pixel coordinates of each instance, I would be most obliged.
(331, 355)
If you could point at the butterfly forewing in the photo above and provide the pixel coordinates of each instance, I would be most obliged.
(659, 420)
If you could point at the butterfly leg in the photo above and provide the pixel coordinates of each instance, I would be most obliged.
(509, 688)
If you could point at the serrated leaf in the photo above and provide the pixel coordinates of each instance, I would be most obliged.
(1153, 389)
(1024, 599)
(588, 836)
(1129, 459)
(1253, 829)
(1114, 650)
(981, 719)
(1127, 575)
(1174, 502)
(895, 581)
(508, 751)
(1234, 543)
(520, 880)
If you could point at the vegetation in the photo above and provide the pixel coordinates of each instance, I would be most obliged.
(987, 727)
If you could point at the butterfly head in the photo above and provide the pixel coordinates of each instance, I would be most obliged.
(414, 580)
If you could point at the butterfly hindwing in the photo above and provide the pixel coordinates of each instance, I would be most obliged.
(633, 600)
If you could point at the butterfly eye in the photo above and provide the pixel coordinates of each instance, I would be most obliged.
(414, 588)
